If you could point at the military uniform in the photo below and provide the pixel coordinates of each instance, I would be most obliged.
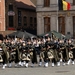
(13, 54)
(56, 53)
(4, 52)
(25, 57)
(19, 45)
(33, 53)
(41, 55)
(63, 52)
(71, 52)
(29, 52)
(46, 58)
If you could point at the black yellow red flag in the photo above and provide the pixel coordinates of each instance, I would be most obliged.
(63, 5)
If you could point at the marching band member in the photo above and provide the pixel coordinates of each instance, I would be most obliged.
(13, 54)
(47, 45)
(49, 50)
(64, 52)
(26, 48)
(42, 49)
(33, 53)
(56, 52)
(71, 51)
(3, 52)
(20, 45)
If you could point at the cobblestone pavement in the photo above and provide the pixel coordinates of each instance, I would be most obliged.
(62, 70)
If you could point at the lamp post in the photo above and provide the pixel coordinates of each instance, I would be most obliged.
(57, 15)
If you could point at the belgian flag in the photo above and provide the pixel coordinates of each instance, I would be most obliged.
(60, 4)
(63, 5)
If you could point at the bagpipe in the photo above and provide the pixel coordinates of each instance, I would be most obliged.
(71, 47)
(42, 47)
(61, 47)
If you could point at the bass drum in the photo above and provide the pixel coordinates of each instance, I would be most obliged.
(23, 57)
(28, 57)
(70, 54)
(50, 54)
(60, 55)
(1, 59)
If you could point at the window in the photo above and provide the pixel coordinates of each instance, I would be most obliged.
(19, 13)
(11, 7)
(46, 3)
(35, 22)
(61, 24)
(31, 21)
(73, 2)
(25, 20)
(74, 23)
(46, 24)
(11, 21)
(19, 21)
(19, 18)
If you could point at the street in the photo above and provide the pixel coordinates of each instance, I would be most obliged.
(62, 70)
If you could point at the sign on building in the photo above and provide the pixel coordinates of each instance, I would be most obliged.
(11, 13)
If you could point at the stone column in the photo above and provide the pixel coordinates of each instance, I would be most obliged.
(54, 22)
(39, 24)
(69, 25)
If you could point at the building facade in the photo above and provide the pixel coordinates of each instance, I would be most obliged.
(50, 18)
(21, 14)
(2, 15)
(17, 15)
(33, 1)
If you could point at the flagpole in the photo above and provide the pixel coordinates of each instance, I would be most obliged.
(57, 15)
